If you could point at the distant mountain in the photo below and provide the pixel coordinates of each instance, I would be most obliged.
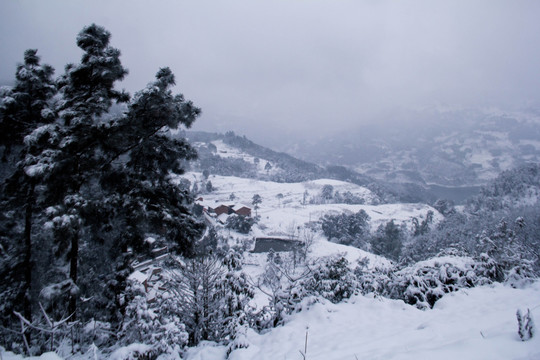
(432, 147)
(232, 155)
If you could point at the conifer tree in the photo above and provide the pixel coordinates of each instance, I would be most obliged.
(106, 182)
(388, 241)
(23, 108)
(73, 160)
(256, 201)
(150, 156)
(26, 106)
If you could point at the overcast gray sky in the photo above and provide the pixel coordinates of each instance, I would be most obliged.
(299, 66)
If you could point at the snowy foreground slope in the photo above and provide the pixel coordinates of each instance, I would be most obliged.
(477, 323)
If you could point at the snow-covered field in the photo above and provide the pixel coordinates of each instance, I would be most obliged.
(478, 323)
(281, 214)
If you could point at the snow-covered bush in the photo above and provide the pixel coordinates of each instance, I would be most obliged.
(423, 283)
(284, 286)
(347, 229)
(520, 275)
(374, 280)
(156, 324)
(332, 278)
(133, 352)
(509, 254)
(525, 325)
(240, 223)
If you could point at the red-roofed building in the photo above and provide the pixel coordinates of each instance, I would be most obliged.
(244, 211)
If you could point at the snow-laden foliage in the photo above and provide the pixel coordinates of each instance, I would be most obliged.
(28, 104)
(212, 297)
(156, 324)
(105, 172)
(372, 280)
(133, 352)
(526, 327)
(331, 278)
(516, 187)
(26, 107)
(425, 282)
(240, 223)
(283, 284)
(388, 240)
(503, 245)
(347, 229)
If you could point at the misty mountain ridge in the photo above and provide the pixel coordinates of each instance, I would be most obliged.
(441, 147)
(232, 155)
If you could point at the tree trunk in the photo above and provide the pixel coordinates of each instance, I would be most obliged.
(27, 302)
(73, 259)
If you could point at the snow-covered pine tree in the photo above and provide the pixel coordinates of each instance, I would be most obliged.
(155, 323)
(196, 288)
(88, 92)
(139, 178)
(107, 180)
(23, 108)
(26, 106)
(236, 293)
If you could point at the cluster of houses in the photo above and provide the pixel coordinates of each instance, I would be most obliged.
(220, 213)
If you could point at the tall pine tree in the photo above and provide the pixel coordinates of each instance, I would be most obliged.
(143, 176)
(23, 109)
(74, 159)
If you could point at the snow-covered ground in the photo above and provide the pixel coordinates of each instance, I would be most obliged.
(226, 151)
(478, 323)
(472, 324)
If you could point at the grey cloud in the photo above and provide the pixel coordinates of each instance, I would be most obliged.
(304, 67)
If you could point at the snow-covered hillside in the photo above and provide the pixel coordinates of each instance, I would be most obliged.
(282, 215)
(230, 152)
(472, 324)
